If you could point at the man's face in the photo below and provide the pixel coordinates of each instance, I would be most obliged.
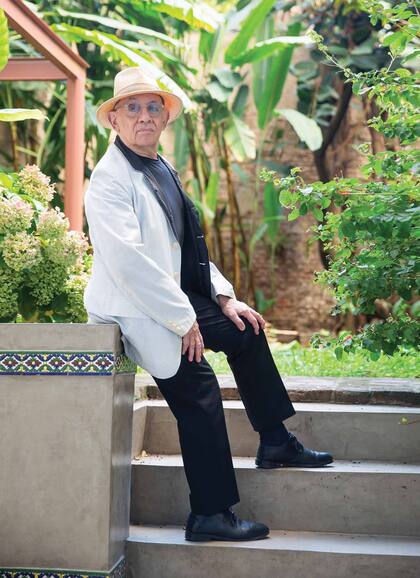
(143, 128)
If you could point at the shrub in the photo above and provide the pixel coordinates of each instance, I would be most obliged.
(373, 231)
(44, 267)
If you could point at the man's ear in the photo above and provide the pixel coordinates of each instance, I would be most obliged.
(165, 119)
(112, 117)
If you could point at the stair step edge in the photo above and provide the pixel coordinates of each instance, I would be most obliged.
(375, 544)
(338, 466)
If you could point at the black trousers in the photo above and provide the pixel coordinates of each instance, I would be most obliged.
(194, 397)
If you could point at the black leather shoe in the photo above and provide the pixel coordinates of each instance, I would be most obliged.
(290, 454)
(223, 526)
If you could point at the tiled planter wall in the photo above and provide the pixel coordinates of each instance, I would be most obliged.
(66, 394)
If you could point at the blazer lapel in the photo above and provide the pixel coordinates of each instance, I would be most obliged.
(137, 164)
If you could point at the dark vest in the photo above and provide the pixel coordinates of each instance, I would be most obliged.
(195, 268)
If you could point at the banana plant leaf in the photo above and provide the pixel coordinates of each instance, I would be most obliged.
(269, 75)
(272, 212)
(240, 139)
(248, 26)
(268, 47)
(4, 40)
(306, 128)
(118, 51)
(195, 14)
(15, 114)
(116, 24)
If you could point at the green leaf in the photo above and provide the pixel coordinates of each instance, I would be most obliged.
(238, 106)
(212, 190)
(196, 14)
(258, 235)
(181, 151)
(303, 209)
(272, 210)
(227, 78)
(4, 40)
(119, 52)
(217, 91)
(293, 214)
(269, 77)
(240, 138)
(15, 114)
(415, 309)
(306, 128)
(120, 25)
(6, 180)
(318, 213)
(266, 48)
(251, 23)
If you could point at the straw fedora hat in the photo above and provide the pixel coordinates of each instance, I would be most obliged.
(131, 81)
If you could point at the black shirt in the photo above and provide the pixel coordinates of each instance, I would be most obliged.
(166, 181)
(167, 184)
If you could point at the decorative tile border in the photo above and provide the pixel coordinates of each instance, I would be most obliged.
(119, 571)
(64, 363)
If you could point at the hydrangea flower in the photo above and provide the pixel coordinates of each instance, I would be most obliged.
(66, 250)
(36, 184)
(52, 224)
(45, 280)
(75, 288)
(15, 214)
(44, 262)
(21, 250)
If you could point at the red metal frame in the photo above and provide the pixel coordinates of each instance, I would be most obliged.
(60, 63)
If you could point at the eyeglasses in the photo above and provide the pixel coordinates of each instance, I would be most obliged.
(133, 109)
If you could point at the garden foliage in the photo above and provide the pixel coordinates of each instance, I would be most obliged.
(371, 224)
(44, 267)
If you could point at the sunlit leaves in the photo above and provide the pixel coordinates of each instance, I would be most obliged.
(306, 128)
(240, 138)
(247, 29)
(15, 114)
(119, 51)
(4, 40)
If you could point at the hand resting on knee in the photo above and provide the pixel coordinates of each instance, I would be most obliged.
(193, 343)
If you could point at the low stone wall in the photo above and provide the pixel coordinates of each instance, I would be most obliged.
(66, 409)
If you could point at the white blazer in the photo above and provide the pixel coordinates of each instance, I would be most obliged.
(137, 263)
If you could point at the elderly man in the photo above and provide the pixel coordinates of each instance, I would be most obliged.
(152, 275)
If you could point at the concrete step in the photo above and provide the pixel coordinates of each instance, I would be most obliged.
(360, 496)
(360, 390)
(162, 552)
(347, 431)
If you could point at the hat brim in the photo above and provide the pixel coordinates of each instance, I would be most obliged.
(173, 104)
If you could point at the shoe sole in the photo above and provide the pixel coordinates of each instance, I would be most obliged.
(266, 464)
(193, 537)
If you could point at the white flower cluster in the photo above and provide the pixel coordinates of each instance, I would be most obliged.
(52, 224)
(35, 184)
(21, 251)
(37, 251)
(15, 214)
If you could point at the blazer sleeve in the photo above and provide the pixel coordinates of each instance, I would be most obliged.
(219, 284)
(115, 233)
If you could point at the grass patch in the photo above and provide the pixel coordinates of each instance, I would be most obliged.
(294, 359)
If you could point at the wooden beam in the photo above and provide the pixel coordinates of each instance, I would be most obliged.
(42, 37)
(75, 153)
(31, 69)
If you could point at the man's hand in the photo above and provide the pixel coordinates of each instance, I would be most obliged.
(233, 308)
(193, 343)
